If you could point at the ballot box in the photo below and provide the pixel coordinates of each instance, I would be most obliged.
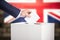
(42, 31)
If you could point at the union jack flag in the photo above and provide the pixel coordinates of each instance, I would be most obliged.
(52, 15)
(43, 10)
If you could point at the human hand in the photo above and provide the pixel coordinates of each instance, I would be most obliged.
(25, 13)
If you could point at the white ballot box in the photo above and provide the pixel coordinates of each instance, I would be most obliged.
(42, 31)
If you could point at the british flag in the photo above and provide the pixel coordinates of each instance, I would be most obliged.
(42, 10)
(52, 15)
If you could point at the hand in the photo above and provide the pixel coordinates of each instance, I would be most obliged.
(9, 19)
(25, 13)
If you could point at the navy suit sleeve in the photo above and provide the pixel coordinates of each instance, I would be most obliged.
(5, 15)
(9, 8)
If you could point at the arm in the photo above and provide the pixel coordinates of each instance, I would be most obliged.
(9, 8)
(10, 19)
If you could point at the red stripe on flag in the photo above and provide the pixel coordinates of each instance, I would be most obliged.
(54, 15)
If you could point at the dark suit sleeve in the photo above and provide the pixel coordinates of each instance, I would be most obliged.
(9, 8)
